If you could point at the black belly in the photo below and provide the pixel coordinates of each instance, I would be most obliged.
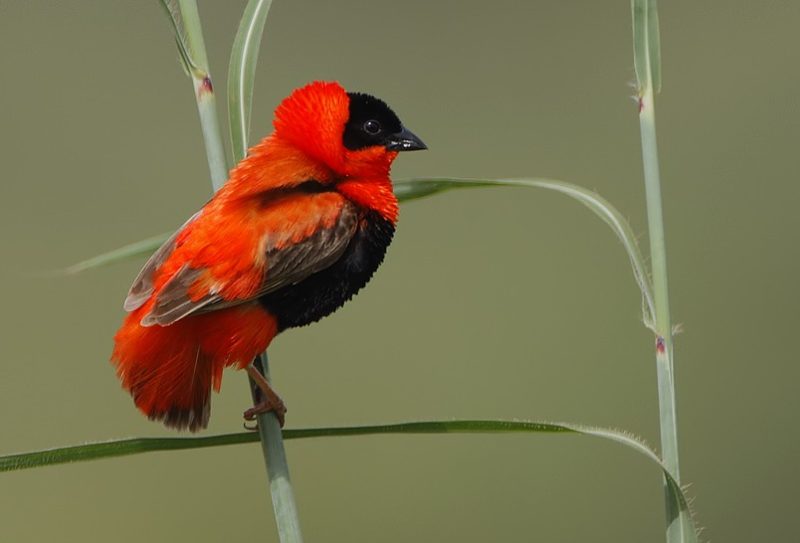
(326, 291)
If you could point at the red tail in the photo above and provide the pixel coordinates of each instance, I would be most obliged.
(169, 370)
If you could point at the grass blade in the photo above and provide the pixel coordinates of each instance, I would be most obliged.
(174, 13)
(241, 73)
(115, 448)
(646, 45)
(413, 189)
(419, 188)
(144, 247)
(127, 447)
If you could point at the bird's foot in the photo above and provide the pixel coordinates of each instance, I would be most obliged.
(265, 406)
(271, 402)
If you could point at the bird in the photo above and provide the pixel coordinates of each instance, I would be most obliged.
(299, 227)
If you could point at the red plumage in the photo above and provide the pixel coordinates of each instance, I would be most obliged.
(297, 230)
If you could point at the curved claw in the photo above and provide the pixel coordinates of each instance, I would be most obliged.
(253, 428)
(266, 406)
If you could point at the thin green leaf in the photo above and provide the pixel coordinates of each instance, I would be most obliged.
(125, 447)
(114, 448)
(639, 18)
(646, 45)
(413, 189)
(654, 44)
(174, 13)
(405, 190)
(241, 73)
(419, 188)
(132, 250)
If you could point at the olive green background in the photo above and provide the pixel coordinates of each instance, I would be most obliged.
(506, 303)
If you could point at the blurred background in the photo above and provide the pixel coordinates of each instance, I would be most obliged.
(501, 303)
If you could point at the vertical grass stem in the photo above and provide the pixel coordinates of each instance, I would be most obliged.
(663, 322)
(280, 484)
(658, 257)
(648, 74)
(285, 510)
(204, 92)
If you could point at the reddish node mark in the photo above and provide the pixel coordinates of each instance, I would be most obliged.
(660, 345)
(206, 86)
(641, 104)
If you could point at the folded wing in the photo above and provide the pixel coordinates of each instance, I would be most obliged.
(261, 248)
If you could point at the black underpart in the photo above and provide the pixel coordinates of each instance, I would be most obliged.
(364, 108)
(326, 291)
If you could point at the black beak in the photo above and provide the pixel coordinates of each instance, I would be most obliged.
(405, 140)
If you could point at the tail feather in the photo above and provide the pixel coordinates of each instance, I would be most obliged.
(170, 370)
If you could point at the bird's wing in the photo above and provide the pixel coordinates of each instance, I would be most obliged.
(143, 285)
(238, 257)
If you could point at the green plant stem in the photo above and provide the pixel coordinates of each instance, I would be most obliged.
(286, 517)
(663, 322)
(241, 72)
(648, 67)
(284, 506)
(204, 92)
(658, 257)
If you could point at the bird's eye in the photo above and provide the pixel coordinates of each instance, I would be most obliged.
(372, 127)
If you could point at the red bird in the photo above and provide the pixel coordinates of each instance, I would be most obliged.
(300, 226)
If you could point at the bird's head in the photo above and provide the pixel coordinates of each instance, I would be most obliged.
(351, 133)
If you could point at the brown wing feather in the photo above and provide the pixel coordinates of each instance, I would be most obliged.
(290, 265)
(173, 301)
(285, 266)
(142, 287)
